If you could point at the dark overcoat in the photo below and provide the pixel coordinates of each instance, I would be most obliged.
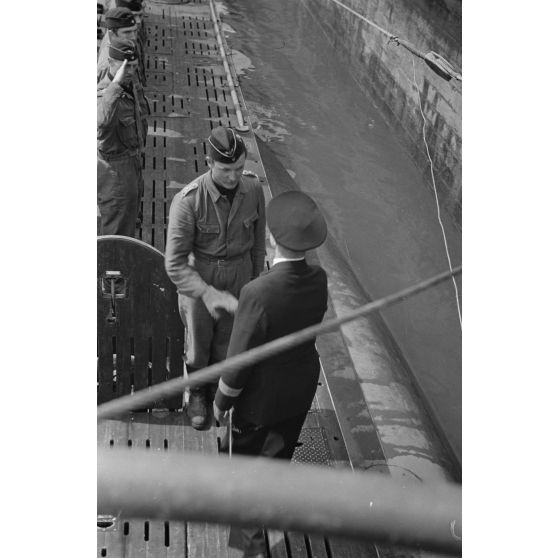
(289, 297)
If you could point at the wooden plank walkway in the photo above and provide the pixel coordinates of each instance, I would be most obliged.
(148, 538)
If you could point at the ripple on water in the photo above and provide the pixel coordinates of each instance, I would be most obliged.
(267, 125)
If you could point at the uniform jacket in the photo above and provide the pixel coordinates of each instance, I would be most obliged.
(289, 297)
(119, 126)
(201, 222)
(102, 72)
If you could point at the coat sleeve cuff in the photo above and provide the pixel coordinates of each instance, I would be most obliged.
(226, 395)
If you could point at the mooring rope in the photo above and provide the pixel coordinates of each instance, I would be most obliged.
(436, 62)
(144, 397)
(436, 192)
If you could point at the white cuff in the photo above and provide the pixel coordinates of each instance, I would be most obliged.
(228, 391)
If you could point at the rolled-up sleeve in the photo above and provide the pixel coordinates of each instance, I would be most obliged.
(258, 250)
(180, 243)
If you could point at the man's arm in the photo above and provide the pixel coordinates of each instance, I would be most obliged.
(180, 242)
(107, 100)
(249, 330)
(258, 250)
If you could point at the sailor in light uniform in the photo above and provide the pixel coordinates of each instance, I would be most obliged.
(215, 245)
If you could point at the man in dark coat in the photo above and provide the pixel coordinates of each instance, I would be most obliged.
(271, 398)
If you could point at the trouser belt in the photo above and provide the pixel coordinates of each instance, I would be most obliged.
(117, 156)
(230, 260)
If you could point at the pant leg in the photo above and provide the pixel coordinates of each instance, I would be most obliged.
(198, 325)
(247, 440)
(117, 194)
(231, 279)
(277, 441)
(141, 189)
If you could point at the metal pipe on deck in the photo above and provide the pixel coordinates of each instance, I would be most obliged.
(241, 127)
(259, 491)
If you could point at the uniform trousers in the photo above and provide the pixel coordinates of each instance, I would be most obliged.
(277, 441)
(119, 183)
(207, 339)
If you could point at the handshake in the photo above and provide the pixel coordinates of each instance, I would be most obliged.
(215, 299)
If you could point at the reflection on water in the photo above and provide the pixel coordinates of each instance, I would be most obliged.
(309, 110)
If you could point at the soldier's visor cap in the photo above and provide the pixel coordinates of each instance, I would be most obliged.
(296, 222)
(123, 50)
(118, 18)
(133, 5)
(225, 145)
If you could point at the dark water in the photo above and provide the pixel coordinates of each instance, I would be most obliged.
(335, 144)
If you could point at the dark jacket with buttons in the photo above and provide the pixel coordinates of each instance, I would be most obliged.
(202, 222)
(289, 297)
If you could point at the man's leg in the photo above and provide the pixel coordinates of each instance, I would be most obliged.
(247, 439)
(222, 329)
(117, 192)
(277, 441)
(199, 333)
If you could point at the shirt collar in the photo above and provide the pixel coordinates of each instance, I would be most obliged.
(280, 260)
(215, 194)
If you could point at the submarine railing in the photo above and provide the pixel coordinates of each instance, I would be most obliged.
(144, 397)
(249, 491)
(252, 491)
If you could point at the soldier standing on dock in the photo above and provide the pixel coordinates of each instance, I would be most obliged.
(271, 398)
(215, 245)
(120, 137)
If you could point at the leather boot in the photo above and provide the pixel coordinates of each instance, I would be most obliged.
(197, 408)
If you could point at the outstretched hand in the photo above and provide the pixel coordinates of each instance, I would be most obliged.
(215, 299)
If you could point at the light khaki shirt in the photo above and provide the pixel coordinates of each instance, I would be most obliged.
(201, 221)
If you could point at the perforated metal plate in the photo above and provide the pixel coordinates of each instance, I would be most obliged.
(188, 95)
(312, 447)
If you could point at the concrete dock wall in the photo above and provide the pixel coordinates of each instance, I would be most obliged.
(387, 73)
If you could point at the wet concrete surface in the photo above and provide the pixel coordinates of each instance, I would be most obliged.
(335, 144)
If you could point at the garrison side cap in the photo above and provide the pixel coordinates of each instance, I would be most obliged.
(133, 5)
(225, 145)
(122, 49)
(295, 221)
(119, 18)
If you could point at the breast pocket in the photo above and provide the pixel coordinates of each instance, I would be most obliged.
(127, 131)
(248, 228)
(207, 235)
